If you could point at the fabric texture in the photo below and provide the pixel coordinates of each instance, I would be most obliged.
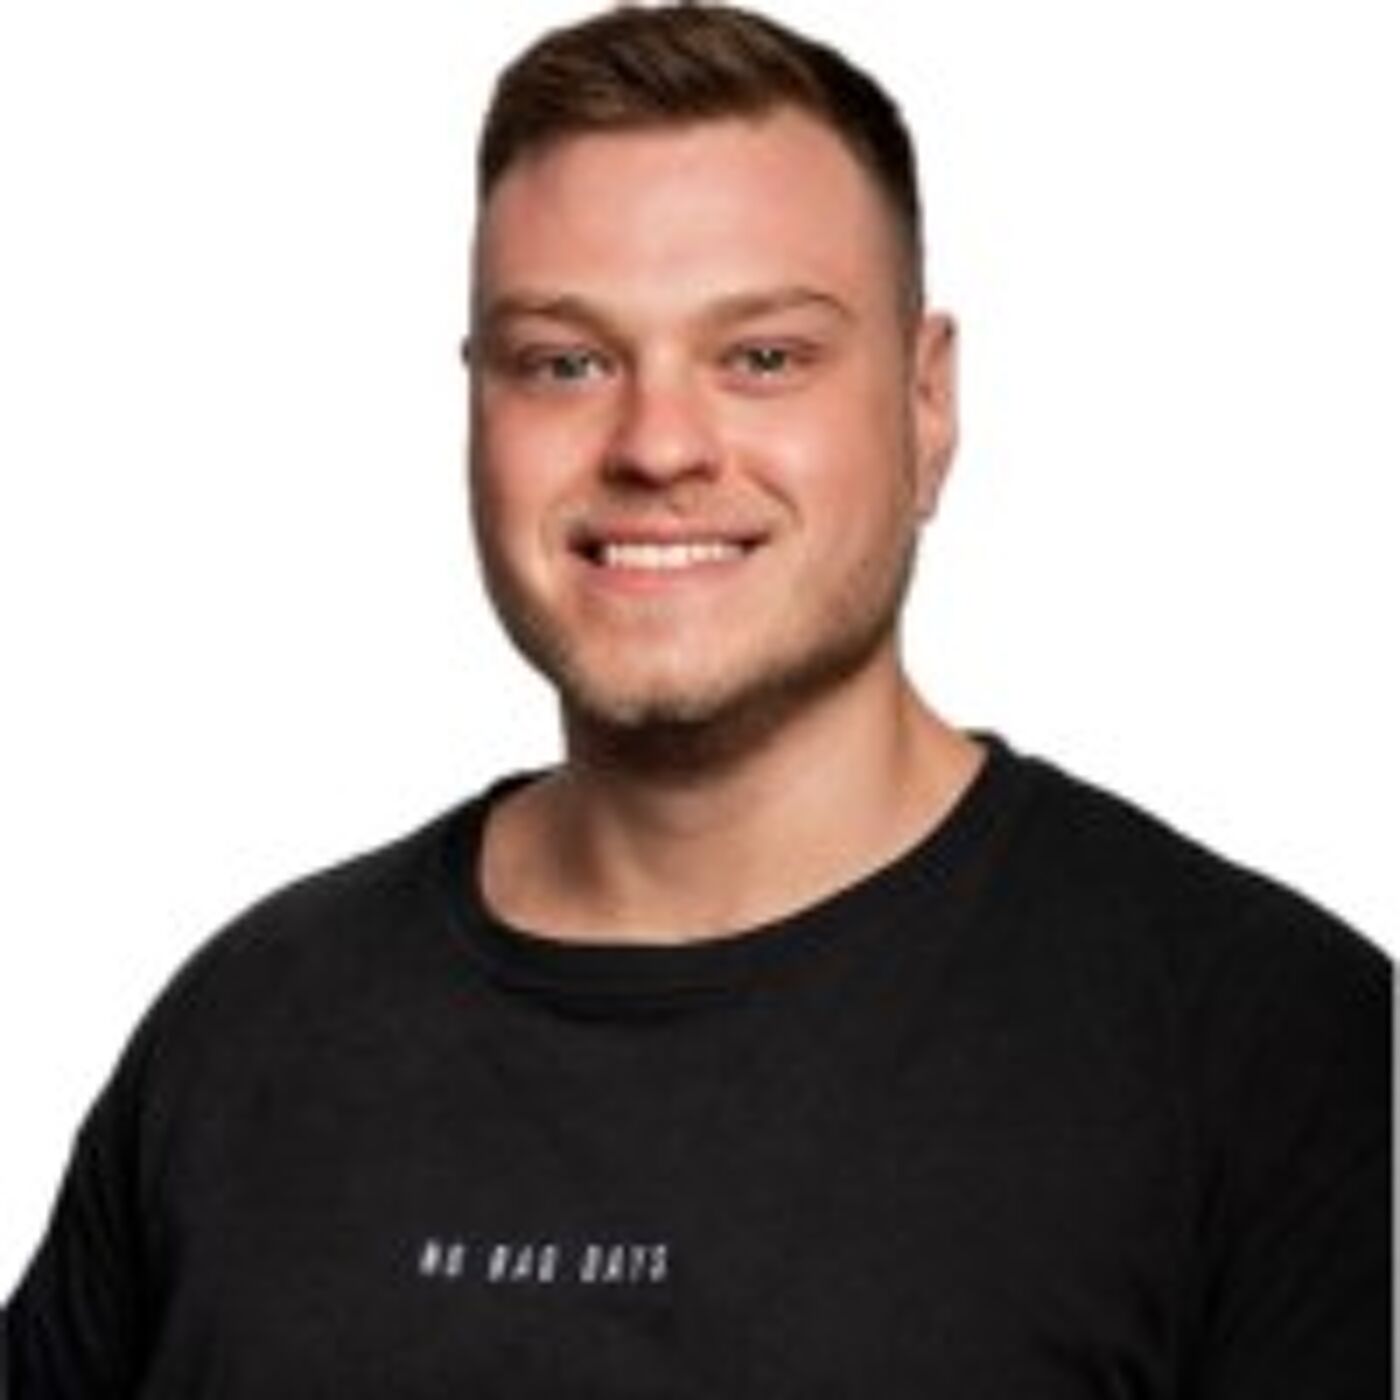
(1058, 1104)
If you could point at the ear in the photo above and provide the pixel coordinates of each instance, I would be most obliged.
(935, 406)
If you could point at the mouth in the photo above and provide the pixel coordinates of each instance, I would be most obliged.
(651, 554)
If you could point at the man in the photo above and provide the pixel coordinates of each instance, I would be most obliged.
(783, 1040)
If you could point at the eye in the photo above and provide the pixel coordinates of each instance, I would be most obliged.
(762, 360)
(563, 367)
(765, 363)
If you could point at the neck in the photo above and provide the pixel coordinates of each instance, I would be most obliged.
(635, 832)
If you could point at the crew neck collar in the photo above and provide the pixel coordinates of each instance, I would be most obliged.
(656, 974)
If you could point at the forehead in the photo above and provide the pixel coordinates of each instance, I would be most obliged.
(660, 216)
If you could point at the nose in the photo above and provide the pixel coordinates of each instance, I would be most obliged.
(664, 431)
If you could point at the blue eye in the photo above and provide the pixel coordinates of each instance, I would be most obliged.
(546, 367)
(566, 366)
(770, 365)
(764, 361)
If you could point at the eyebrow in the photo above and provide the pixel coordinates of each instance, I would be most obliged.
(725, 310)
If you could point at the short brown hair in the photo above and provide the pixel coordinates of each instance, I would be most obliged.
(631, 68)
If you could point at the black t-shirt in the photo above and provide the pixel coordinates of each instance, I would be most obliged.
(1057, 1105)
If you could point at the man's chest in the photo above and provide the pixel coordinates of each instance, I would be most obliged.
(953, 1215)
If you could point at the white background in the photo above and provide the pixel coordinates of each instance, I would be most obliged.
(241, 632)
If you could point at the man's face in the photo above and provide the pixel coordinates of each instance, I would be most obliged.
(704, 431)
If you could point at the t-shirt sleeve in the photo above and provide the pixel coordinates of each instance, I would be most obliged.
(73, 1327)
(79, 1324)
(86, 1320)
(1295, 1091)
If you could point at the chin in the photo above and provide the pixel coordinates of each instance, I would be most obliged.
(642, 708)
(678, 705)
(685, 729)
(669, 736)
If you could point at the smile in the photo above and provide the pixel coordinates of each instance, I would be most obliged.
(670, 557)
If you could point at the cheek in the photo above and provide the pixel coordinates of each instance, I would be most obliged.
(519, 469)
(547, 438)
(501, 515)
(838, 459)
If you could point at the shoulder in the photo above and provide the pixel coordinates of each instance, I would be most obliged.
(1272, 1020)
(1114, 866)
(1271, 1009)
(325, 944)
(325, 916)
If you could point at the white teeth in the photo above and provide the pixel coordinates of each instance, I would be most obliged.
(683, 555)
